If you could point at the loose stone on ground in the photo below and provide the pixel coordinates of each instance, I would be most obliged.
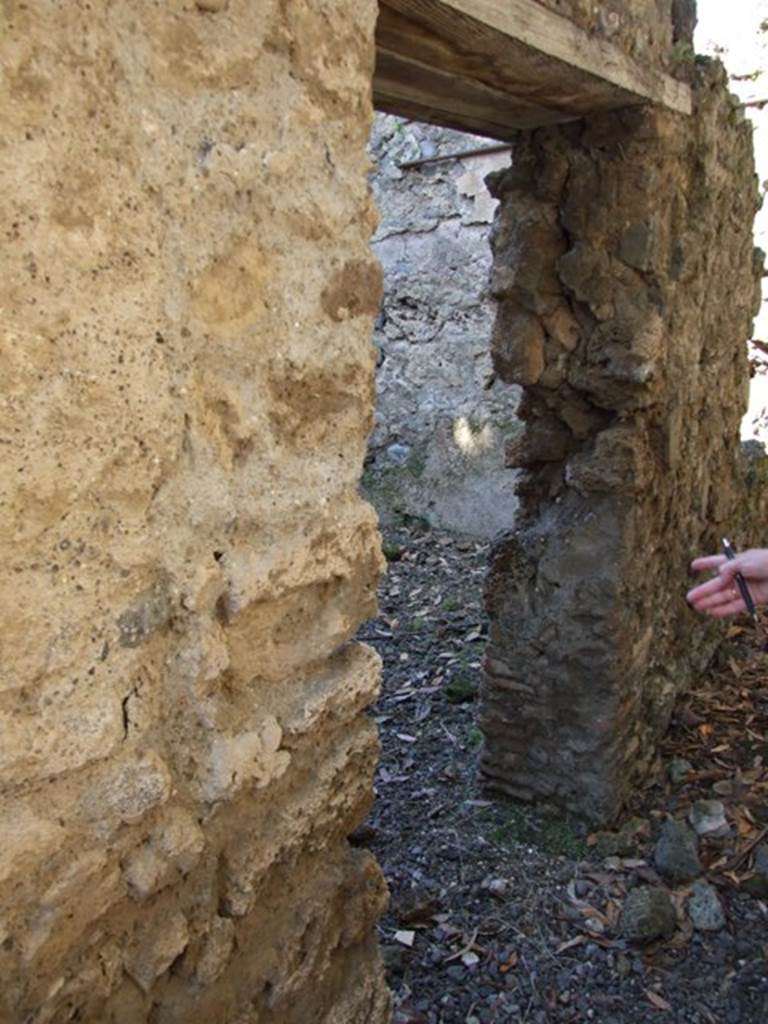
(707, 818)
(648, 914)
(677, 855)
(705, 908)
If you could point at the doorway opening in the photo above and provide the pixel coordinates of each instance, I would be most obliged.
(443, 419)
(436, 474)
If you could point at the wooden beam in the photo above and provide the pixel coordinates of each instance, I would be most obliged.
(495, 66)
(427, 94)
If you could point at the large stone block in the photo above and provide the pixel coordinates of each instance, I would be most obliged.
(171, 849)
(81, 893)
(247, 757)
(158, 943)
(29, 838)
(56, 728)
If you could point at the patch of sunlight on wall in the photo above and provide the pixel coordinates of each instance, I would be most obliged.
(472, 440)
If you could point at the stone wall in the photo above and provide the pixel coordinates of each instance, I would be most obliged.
(442, 416)
(658, 32)
(627, 286)
(186, 300)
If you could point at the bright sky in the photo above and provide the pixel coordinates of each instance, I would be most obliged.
(730, 29)
(733, 27)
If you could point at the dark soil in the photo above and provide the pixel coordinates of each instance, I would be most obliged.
(498, 915)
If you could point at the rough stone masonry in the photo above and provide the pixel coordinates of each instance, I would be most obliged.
(627, 284)
(186, 302)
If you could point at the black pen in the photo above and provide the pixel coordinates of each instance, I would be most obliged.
(730, 554)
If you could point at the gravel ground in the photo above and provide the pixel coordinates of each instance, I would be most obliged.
(497, 915)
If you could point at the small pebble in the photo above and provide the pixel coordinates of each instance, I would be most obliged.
(743, 949)
(677, 770)
(708, 819)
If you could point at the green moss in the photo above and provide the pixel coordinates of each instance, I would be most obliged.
(474, 737)
(469, 654)
(385, 482)
(417, 462)
(627, 842)
(392, 552)
(557, 836)
(411, 522)
(461, 689)
(509, 427)
(682, 54)
(368, 478)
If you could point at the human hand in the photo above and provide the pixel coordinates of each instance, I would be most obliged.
(720, 597)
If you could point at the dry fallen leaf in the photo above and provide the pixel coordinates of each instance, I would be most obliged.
(744, 825)
(592, 913)
(723, 788)
(601, 877)
(469, 946)
(682, 936)
(578, 941)
(656, 1000)
(612, 912)
(511, 962)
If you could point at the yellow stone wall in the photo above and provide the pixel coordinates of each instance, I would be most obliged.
(186, 297)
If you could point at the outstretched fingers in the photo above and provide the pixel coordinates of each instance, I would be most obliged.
(705, 592)
(717, 597)
(730, 606)
(720, 596)
(708, 562)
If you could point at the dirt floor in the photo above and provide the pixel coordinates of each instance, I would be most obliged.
(499, 916)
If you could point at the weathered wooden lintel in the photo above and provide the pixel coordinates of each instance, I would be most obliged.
(493, 67)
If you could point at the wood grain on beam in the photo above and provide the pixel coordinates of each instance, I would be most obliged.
(512, 63)
(409, 89)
